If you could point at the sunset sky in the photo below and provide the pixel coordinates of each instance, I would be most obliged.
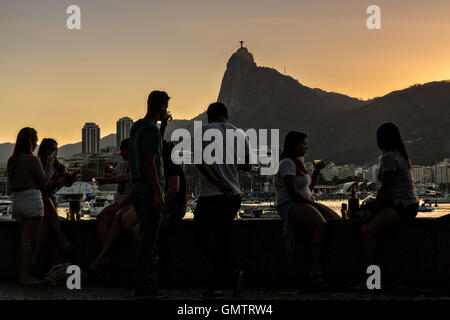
(55, 79)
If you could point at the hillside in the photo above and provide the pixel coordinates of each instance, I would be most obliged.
(340, 128)
(65, 151)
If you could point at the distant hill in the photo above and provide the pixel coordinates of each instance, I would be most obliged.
(422, 113)
(340, 128)
(65, 151)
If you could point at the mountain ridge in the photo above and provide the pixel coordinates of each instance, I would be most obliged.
(340, 128)
(65, 151)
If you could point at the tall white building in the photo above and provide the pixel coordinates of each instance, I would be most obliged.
(329, 172)
(123, 129)
(345, 171)
(373, 172)
(441, 173)
(90, 138)
(422, 174)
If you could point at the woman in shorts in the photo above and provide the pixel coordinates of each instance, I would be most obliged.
(27, 175)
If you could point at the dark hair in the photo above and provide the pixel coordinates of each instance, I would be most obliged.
(156, 99)
(217, 110)
(125, 144)
(24, 144)
(167, 148)
(45, 144)
(290, 143)
(389, 138)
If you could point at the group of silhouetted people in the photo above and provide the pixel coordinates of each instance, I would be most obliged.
(396, 201)
(151, 196)
(34, 182)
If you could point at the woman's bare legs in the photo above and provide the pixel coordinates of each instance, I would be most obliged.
(42, 234)
(384, 218)
(30, 230)
(49, 222)
(164, 222)
(305, 214)
(327, 212)
(113, 234)
(130, 224)
(104, 220)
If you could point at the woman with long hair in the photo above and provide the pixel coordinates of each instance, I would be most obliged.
(397, 198)
(294, 186)
(27, 175)
(49, 147)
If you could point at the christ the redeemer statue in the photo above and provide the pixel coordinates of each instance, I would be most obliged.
(241, 42)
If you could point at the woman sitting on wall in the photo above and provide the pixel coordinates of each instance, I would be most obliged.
(108, 221)
(397, 198)
(293, 187)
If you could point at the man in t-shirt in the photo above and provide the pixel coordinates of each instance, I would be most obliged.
(220, 197)
(147, 187)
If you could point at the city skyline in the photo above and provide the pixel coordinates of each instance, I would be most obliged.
(113, 62)
(260, 150)
(123, 127)
(90, 138)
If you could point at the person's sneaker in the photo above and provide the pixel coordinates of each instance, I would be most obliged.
(213, 295)
(150, 293)
(316, 281)
(239, 284)
(163, 292)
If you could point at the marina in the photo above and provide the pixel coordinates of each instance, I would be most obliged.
(255, 209)
(433, 204)
(249, 209)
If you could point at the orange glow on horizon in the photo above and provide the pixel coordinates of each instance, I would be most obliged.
(55, 80)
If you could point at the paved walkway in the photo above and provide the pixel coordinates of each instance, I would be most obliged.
(10, 291)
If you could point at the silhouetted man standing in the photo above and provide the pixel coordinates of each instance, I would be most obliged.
(147, 187)
(220, 197)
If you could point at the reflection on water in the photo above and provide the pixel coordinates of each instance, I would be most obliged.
(62, 212)
(442, 209)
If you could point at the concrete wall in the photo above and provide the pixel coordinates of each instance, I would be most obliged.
(415, 254)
